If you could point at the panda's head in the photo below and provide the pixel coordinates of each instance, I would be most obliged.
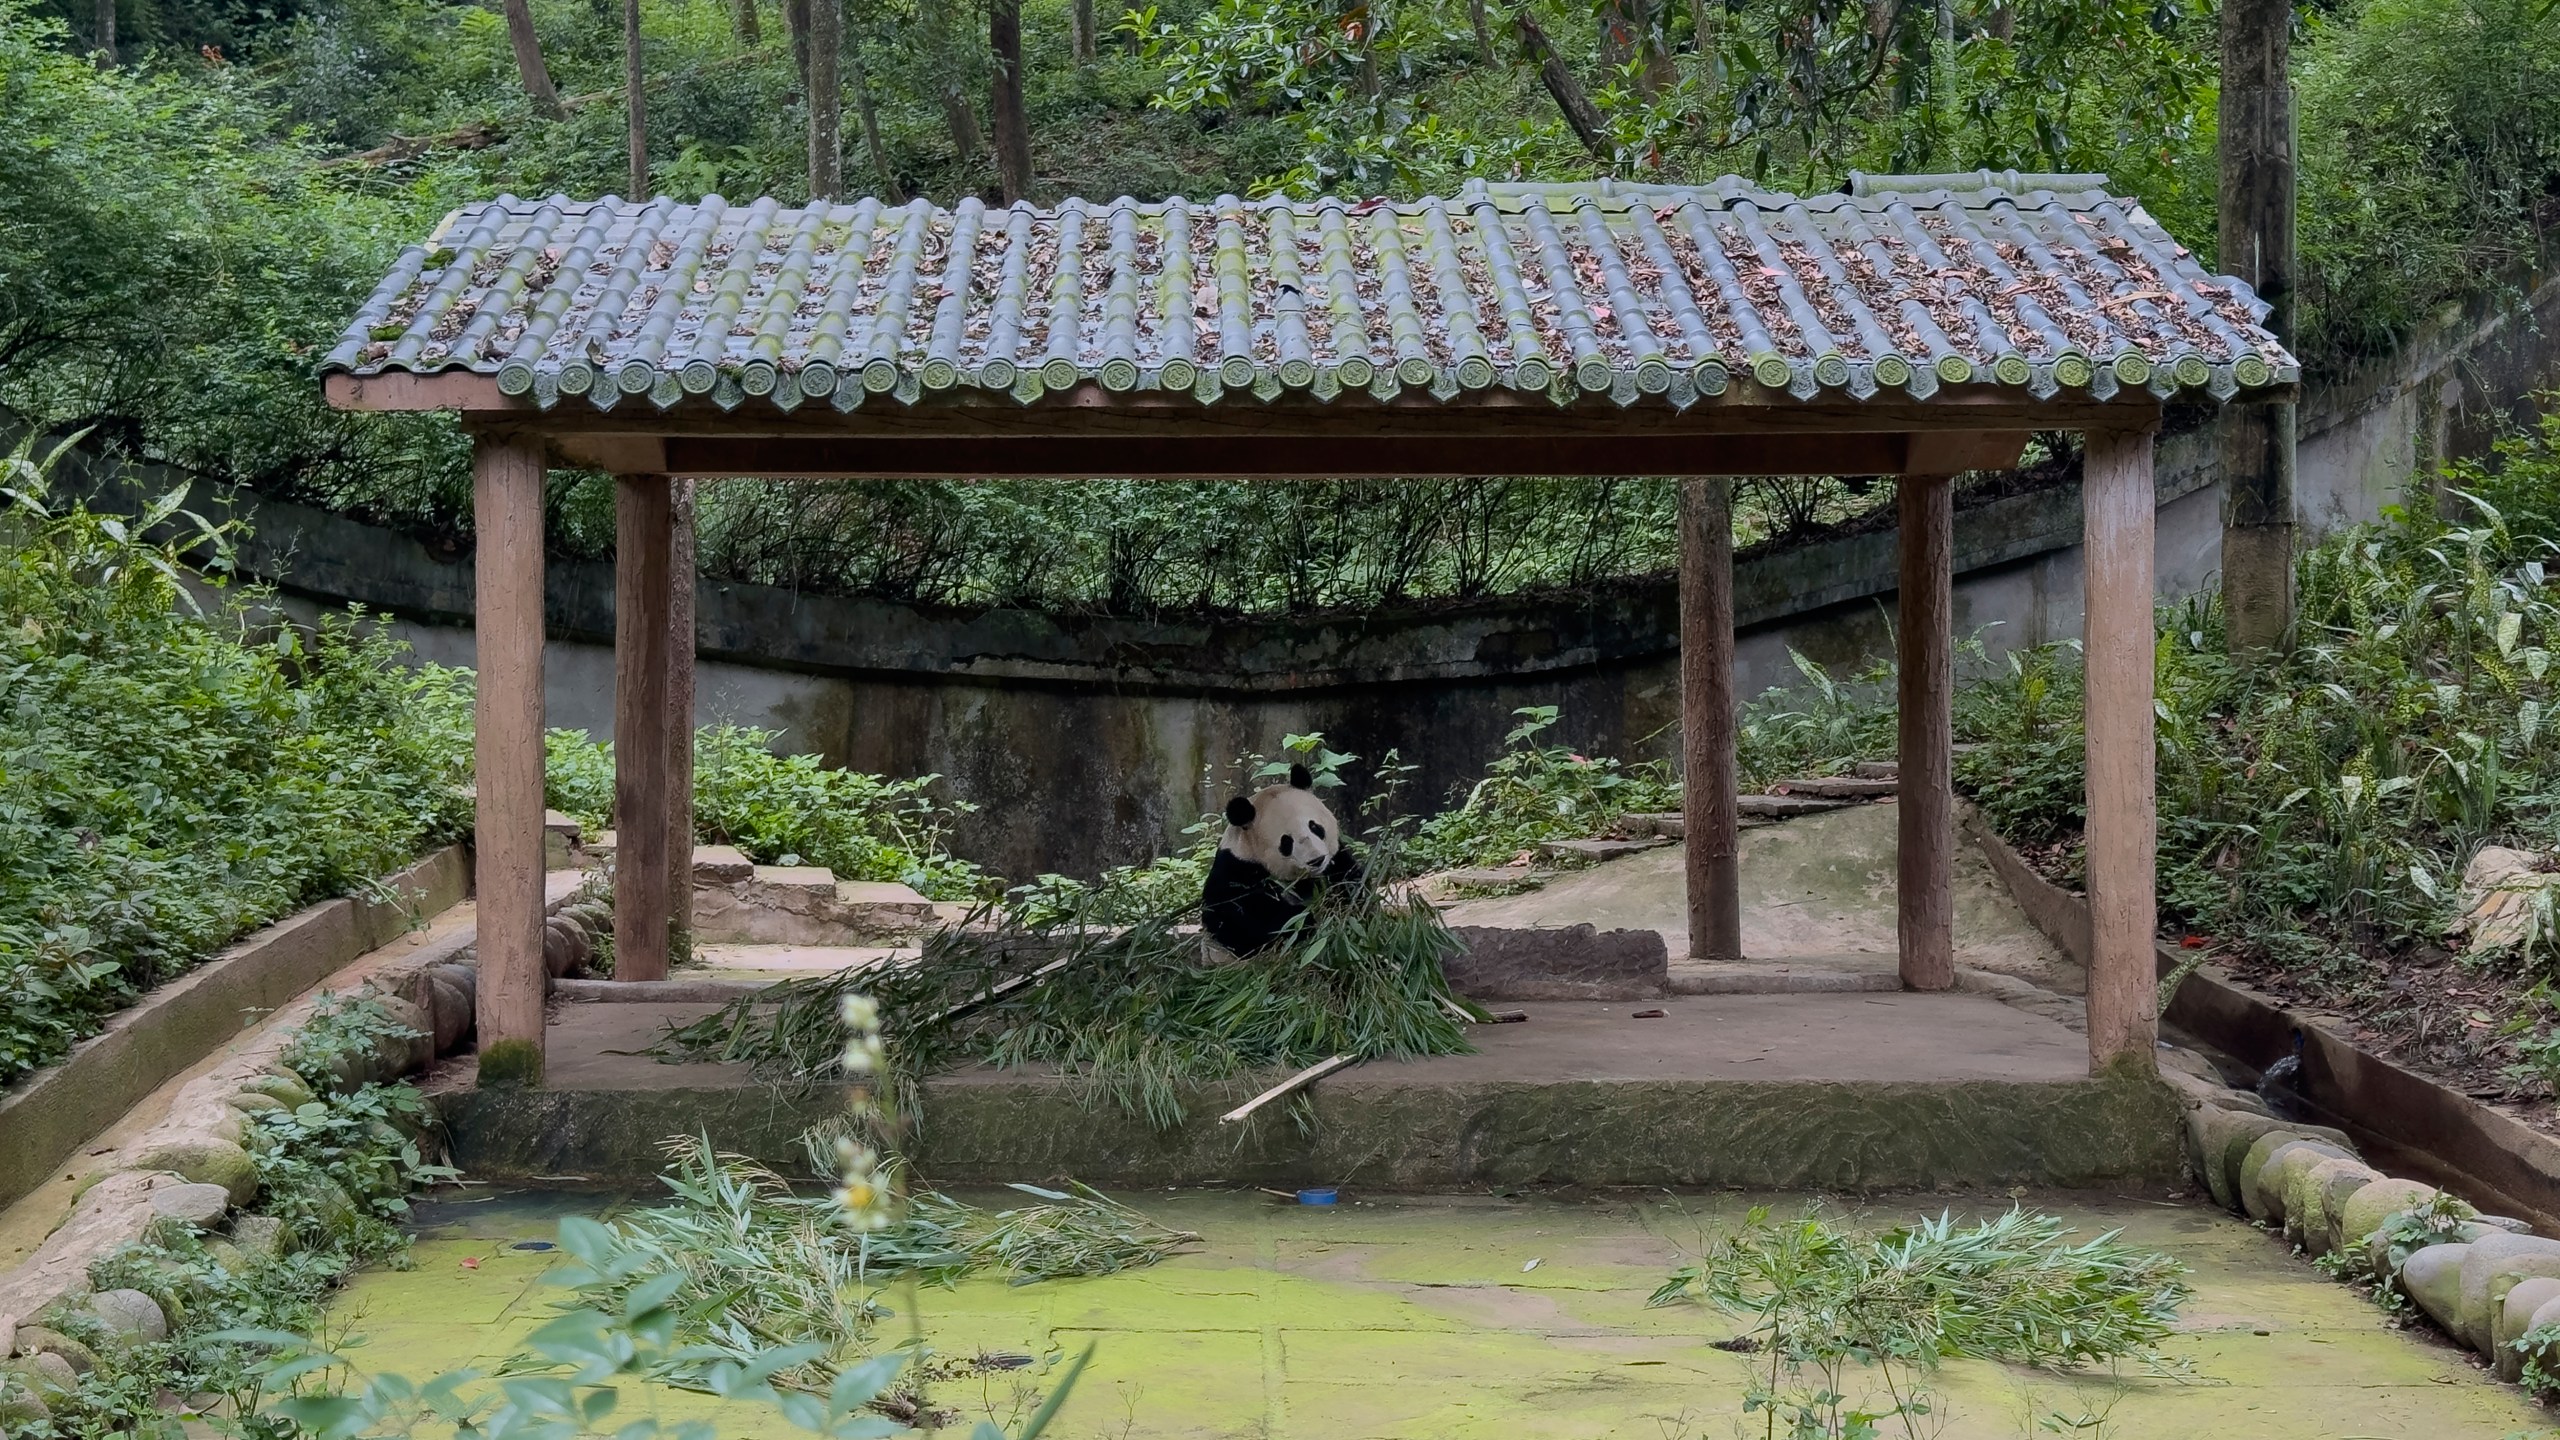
(1283, 828)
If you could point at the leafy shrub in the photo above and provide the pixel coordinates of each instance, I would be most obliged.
(1534, 793)
(2430, 146)
(174, 772)
(786, 809)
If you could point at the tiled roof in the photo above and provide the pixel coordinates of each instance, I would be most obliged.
(2035, 283)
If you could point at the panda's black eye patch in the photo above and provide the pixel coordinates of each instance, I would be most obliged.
(1288, 843)
(1317, 828)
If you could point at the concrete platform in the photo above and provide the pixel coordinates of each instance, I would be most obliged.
(1831, 1091)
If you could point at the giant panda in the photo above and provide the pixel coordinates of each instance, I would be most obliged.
(1279, 844)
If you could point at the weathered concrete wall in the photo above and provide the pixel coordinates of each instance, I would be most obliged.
(1088, 742)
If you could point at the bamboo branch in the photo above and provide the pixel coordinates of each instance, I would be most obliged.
(1294, 1083)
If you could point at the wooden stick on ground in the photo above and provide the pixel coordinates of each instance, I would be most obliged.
(1299, 1081)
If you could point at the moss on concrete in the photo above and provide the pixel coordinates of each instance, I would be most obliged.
(510, 1064)
(1424, 1317)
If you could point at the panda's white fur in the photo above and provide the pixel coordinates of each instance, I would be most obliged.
(1281, 842)
(1283, 829)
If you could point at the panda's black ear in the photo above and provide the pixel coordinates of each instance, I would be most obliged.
(1299, 778)
(1240, 812)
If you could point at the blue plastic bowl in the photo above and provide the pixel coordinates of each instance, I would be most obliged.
(1320, 1195)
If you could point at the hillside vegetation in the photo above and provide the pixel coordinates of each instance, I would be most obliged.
(187, 230)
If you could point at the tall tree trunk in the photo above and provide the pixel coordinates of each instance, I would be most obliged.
(795, 18)
(749, 23)
(636, 99)
(1080, 21)
(1588, 125)
(966, 138)
(529, 67)
(1004, 99)
(869, 114)
(1484, 32)
(826, 100)
(105, 48)
(2256, 233)
(1702, 24)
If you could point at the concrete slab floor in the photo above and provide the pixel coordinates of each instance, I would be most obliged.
(1402, 1318)
(1890, 1038)
(1819, 887)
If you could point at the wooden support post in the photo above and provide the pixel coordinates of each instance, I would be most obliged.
(1708, 825)
(680, 641)
(2119, 502)
(506, 510)
(1924, 850)
(643, 518)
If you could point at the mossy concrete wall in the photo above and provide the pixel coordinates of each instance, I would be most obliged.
(1403, 1135)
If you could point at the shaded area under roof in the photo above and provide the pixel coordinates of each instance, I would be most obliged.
(2038, 287)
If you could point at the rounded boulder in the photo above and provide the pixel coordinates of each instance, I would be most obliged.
(131, 1316)
(2433, 1279)
(2262, 1188)
(206, 1161)
(2366, 1210)
(2492, 1257)
(37, 1340)
(2514, 1317)
(200, 1206)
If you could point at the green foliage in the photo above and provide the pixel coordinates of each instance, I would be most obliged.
(1819, 1300)
(1818, 728)
(787, 809)
(2334, 797)
(2431, 142)
(176, 769)
(1534, 793)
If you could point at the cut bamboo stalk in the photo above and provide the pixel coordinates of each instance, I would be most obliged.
(1299, 1081)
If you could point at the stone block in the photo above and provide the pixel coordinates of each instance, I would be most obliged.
(817, 880)
(2225, 1135)
(452, 1010)
(395, 1056)
(2341, 1184)
(2261, 1192)
(2365, 1211)
(2433, 1278)
(206, 1161)
(1663, 824)
(721, 865)
(1877, 770)
(2513, 1316)
(201, 1206)
(1579, 962)
(2308, 1221)
(2491, 1256)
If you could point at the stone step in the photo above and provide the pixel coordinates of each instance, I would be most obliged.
(738, 960)
(721, 865)
(1662, 824)
(1595, 851)
(1780, 807)
(1839, 787)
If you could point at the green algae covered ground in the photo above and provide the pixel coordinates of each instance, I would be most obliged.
(1413, 1318)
